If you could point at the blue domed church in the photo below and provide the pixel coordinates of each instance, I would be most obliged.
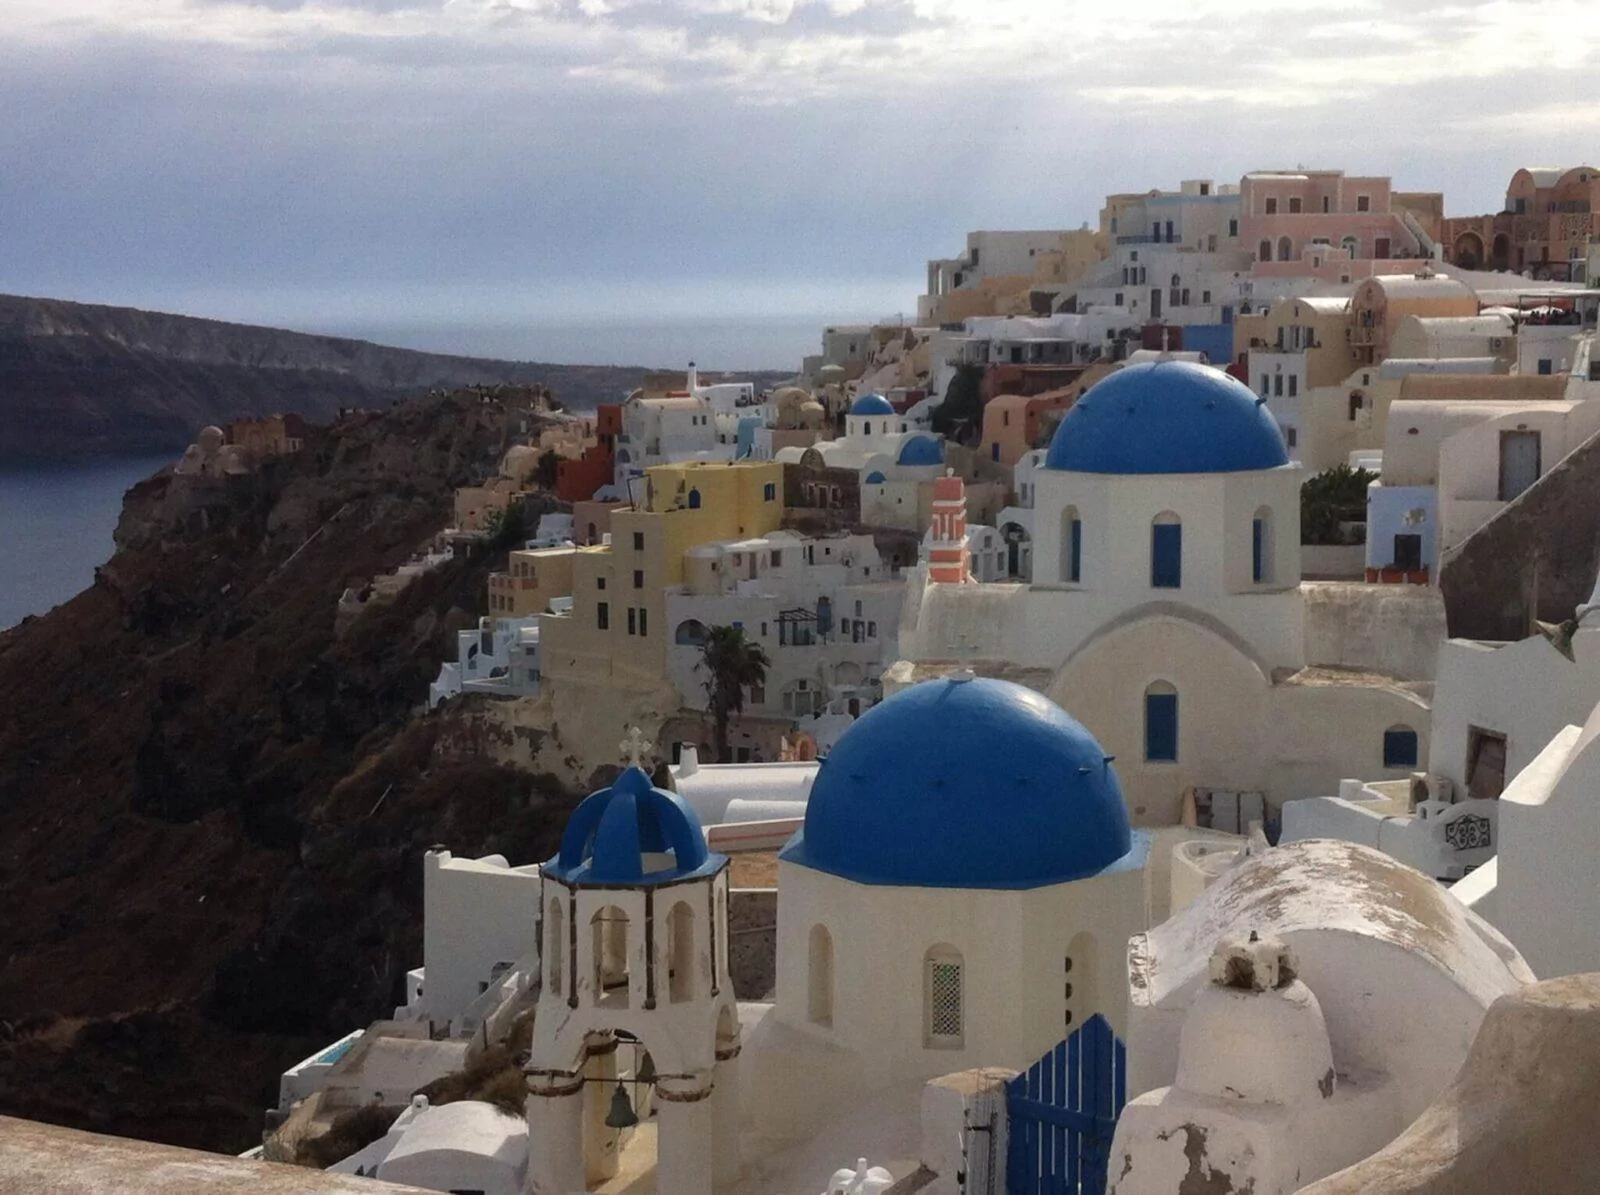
(961, 894)
(1166, 609)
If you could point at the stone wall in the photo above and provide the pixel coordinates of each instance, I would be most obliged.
(1535, 559)
(1392, 630)
(753, 941)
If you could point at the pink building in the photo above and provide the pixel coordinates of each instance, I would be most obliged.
(1326, 224)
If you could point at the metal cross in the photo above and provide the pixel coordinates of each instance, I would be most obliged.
(633, 746)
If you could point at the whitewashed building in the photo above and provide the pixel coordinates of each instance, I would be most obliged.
(825, 610)
(500, 658)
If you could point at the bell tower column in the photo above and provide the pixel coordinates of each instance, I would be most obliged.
(600, 1141)
(555, 1134)
(684, 1116)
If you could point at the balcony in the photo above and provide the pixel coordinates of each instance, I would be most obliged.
(1138, 239)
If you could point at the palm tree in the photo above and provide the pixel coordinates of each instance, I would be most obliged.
(731, 664)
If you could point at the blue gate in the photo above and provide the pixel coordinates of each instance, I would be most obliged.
(1063, 1110)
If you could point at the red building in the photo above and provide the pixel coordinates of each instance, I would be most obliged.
(577, 480)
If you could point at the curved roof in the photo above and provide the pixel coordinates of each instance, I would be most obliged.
(1167, 417)
(965, 783)
(871, 404)
(921, 450)
(632, 833)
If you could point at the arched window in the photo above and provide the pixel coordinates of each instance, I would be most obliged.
(1261, 545)
(942, 995)
(1285, 249)
(1264, 251)
(1351, 246)
(1071, 546)
(690, 633)
(1166, 552)
(609, 944)
(819, 997)
(1399, 747)
(1161, 723)
(680, 953)
(694, 499)
(555, 945)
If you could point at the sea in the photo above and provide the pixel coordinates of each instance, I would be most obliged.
(55, 527)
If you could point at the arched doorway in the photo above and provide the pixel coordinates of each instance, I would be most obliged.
(1019, 551)
(1468, 251)
(1500, 252)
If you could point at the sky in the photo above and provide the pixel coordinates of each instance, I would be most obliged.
(625, 181)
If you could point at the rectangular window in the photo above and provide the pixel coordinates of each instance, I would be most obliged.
(1258, 550)
(1075, 551)
(1205, 297)
(1277, 386)
(1408, 552)
(644, 623)
(638, 541)
(944, 1002)
(1118, 299)
(1266, 385)
(1544, 367)
(638, 578)
(1166, 556)
(1294, 385)
(602, 616)
(1400, 748)
(1294, 205)
(1272, 206)
(633, 620)
(769, 492)
(872, 629)
(599, 582)
(1161, 727)
(1291, 435)
(1325, 203)
(1233, 228)
(1364, 203)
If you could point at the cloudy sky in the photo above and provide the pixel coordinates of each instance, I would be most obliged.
(514, 176)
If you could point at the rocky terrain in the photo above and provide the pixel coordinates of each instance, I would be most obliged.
(212, 809)
(79, 380)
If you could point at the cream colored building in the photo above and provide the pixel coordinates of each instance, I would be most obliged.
(532, 578)
(616, 632)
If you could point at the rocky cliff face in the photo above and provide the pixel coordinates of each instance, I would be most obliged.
(81, 380)
(212, 809)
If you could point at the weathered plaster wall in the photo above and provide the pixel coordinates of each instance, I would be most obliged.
(1535, 559)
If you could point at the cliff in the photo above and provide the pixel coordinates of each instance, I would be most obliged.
(80, 380)
(213, 810)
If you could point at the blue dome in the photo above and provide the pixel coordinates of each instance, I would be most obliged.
(871, 404)
(922, 450)
(964, 784)
(611, 834)
(1167, 417)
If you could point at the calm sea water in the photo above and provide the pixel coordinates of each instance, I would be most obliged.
(55, 527)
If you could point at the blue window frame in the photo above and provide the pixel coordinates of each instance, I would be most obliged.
(1400, 747)
(1160, 727)
(694, 499)
(1166, 555)
(1075, 551)
(1258, 550)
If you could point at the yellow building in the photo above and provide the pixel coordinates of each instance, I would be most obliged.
(531, 579)
(616, 632)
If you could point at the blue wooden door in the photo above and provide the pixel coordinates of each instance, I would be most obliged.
(1062, 1111)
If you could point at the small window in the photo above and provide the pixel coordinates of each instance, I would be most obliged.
(942, 999)
(1294, 205)
(1117, 299)
(769, 492)
(1291, 436)
(633, 620)
(1364, 203)
(638, 578)
(638, 541)
(1166, 552)
(644, 624)
(599, 582)
(1545, 366)
(1233, 228)
(1399, 747)
(1161, 723)
(1294, 385)
(602, 616)
(1272, 206)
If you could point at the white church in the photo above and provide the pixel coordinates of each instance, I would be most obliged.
(1166, 609)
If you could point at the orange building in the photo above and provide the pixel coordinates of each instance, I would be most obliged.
(1550, 218)
(577, 480)
(1013, 423)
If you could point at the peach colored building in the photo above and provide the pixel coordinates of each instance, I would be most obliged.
(531, 579)
(1329, 224)
(1382, 301)
(1551, 218)
(1014, 423)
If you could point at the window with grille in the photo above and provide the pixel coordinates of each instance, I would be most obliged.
(944, 1020)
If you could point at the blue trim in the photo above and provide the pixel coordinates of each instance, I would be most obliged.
(871, 404)
(1166, 555)
(1075, 551)
(1161, 727)
(611, 831)
(1258, 548)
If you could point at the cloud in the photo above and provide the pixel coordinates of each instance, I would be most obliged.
(326, 160)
